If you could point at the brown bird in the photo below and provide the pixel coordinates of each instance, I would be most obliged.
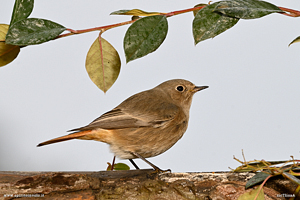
(144, 125)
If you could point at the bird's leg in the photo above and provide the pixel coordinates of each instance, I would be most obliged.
(157, 169)
(133, 163)
(113, 164)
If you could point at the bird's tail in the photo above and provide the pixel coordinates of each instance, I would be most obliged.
(71, 136)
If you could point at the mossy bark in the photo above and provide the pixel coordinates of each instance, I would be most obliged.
(135, 184)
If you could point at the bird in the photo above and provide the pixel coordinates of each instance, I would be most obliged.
(144, 125)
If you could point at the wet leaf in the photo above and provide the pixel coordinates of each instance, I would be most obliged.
(208, 24)
(22, 9)
(7, 52)
(259, 177)
(252, 194)
(103, 68)
(33, 31)
(246, 9)
(295, 40)
(134, 12)
(145, 36)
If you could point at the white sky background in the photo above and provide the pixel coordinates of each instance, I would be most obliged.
(252, 102)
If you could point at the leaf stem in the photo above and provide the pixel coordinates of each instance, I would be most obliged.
(288, 12)
(291, 12)
(261, 186)
(183, 11)
(297, 190)
(105, 28)
(100, 28)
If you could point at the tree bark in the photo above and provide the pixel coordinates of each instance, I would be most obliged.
(136, 184)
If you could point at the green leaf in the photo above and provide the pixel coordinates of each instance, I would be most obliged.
(198, 5)
(145, 36)
(267, 163)
(7, 52)
(246, 9)
(252, 194)
(119, 12)
(208, 24)
(22, 9)
(291, 177)
(295, 40)
(103, 64)
(33, 31)
(121, 166)
(118, 166)
(259, 177)
(134, 12)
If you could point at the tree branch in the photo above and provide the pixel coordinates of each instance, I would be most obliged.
(136, 184)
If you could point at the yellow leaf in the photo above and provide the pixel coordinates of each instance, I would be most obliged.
(103, 64)
(252, 194)
(7, 52)
(295, 40)
(135, 12)
(108, 167)
(3, 31)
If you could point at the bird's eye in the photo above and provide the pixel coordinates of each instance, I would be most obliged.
(179, 88)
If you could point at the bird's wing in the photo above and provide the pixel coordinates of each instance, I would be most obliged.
(114, 119)
(136, 115)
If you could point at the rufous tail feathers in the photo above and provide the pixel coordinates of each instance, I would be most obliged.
(66, 137)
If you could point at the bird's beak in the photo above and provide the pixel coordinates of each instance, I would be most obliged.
(198, 88)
